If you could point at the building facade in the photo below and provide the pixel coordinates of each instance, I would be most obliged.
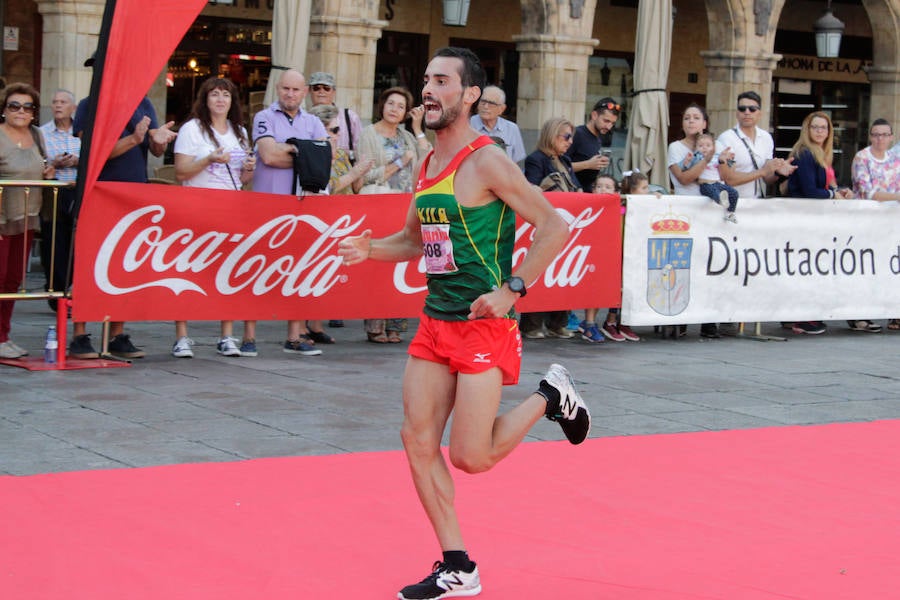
(553, 57)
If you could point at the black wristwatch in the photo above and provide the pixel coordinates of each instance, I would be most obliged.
(517, 285)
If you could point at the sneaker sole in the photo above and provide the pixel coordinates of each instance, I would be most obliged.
(229, 354)
(451, 594)
(128, 354)
(248, 354)
(577, 429)
(84, 356)
(611, 338)
(179, 355)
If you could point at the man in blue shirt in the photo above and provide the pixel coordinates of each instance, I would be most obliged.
(489, 122)
(126, 162)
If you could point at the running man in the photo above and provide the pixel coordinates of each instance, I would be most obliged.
(468, 343)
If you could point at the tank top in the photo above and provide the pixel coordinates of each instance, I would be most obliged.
(468, 250)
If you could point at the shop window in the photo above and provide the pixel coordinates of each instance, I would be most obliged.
(400, 60)
(215, 47)
(846, 105)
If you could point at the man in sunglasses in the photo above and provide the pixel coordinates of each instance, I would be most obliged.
(587, 149)
(752, 150)
(322, 90)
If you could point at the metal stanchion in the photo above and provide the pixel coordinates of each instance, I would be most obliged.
(36, 363)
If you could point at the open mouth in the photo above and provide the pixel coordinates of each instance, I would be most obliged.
(431, 107)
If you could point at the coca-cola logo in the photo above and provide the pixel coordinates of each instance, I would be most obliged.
(241, 261)
(268, 259)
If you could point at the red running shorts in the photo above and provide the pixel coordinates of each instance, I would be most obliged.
(470, 347)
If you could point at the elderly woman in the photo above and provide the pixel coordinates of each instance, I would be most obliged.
(345, 178)
(395, 153)
(549, 168)
(22, 156)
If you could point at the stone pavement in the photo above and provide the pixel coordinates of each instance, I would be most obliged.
(164, 410)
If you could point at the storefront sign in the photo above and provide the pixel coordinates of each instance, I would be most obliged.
(11, 38)
(795, 66)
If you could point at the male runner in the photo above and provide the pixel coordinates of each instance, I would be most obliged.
(468, 343)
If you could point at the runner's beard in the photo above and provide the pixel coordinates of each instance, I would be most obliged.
(448, 115)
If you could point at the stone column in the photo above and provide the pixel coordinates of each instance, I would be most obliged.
(552, 80)
(729, 74)
(885, 102)
(70, 36)
(343, 40)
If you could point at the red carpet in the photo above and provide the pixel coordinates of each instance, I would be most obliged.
(793, 512)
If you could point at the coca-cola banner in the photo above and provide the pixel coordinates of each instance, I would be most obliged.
(155, 252)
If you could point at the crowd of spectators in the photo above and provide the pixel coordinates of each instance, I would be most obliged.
(214, 149)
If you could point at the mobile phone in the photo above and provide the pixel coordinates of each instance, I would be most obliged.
(606, 152)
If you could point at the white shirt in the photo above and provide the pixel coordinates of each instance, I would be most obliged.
(193, 141)
(763, 149)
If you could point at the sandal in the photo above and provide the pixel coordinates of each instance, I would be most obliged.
(394, 337)
(377, 338)
(894, 325)
(320, 337)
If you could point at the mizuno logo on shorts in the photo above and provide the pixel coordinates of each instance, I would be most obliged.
(482, 357)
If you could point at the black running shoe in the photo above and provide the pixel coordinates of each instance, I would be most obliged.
(80, 347)
(564, 405)
(444, 582)
(121, 345)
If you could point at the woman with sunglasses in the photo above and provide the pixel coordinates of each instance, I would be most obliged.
(394, 153)
(22, 156)
(212, 150)
(345, 178)
(550, 168)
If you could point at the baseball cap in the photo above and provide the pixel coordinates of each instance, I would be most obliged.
(90, 62)
(320, 77)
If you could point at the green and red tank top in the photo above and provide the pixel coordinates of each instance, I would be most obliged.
(468, 250)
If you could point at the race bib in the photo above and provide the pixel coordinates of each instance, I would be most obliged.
(438, 249)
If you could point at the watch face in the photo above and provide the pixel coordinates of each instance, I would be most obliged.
(516, 284)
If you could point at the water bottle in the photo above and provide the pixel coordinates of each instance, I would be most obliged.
(50, 345)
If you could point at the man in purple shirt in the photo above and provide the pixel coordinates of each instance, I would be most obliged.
(272, 127)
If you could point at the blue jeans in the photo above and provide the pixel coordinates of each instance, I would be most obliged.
(712, 190)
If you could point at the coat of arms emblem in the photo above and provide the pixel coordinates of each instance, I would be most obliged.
(669, 264)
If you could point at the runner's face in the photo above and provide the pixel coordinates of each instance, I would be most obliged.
(443, 95)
